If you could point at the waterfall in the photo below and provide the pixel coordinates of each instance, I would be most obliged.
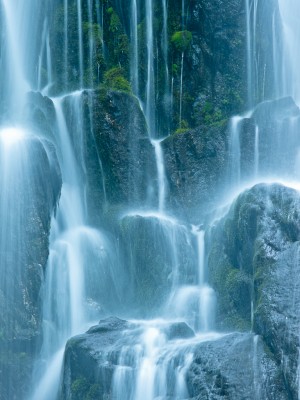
(80, 52)
(150, 86)
(135, 55)
(65, 265)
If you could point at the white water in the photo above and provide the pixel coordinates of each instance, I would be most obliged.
(234, 150)
(135, 53)
(150, 90)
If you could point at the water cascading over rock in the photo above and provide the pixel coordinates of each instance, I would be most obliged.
(125, 126)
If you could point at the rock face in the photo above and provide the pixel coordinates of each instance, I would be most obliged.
(254, 267)
(234, 366)
(196, 166)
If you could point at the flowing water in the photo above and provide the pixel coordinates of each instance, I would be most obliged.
(84, 278)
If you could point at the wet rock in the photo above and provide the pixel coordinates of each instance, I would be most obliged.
(236, 366)
(254, 267)
(157, 253)
(196, 164)
(92, 359)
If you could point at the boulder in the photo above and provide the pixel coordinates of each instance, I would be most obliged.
(254, 267)
(106, 363)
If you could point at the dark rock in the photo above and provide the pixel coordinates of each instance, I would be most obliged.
(157, 252)
(254, 266)
(236, 366)
(196, 164)
(92, 358)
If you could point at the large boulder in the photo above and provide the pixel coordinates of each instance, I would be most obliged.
(235, 366)
(92, 360)
(107, 361)
(254, 267)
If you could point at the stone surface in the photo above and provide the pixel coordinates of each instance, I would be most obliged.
(157, 253)
(234, 366)
(196, 166)
(254, 266)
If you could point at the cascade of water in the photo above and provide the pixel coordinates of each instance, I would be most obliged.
(181, 88)
(235, 150)
(14, 73)
(165, 47)
(256, 152)
(150, 87)
(147, 370)
(78, 255)
(80, 42)
(66, 43)
(134, 55)
(160, 174)
(289, 11)
(41, 56)
(207, 296)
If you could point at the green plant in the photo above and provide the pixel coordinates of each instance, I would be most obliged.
(183, 127)
(181, 40)
(114, 79)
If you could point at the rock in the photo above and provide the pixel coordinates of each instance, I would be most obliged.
(254, 266)
(233, 366)
(236, 366)
(157, 253)
(196, 164)
(92, 359)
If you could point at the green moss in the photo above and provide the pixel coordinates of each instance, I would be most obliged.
(114, 79)
(181, 40)
(82, 389)
(212, 116)
(115, 23)
(183, 127)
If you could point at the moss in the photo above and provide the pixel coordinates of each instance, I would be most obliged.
(114, 79)
(181, 40)
(183, 127)
(82, 389)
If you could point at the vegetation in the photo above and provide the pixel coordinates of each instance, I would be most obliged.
(181, 40)
(114, 79)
